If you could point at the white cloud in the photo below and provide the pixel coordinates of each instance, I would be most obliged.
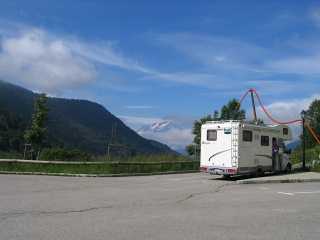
(137, 122)
(42, 61)
(280, 87)
(304, 65)
(229, 62)
(216, 52)
(290, 109)
(35, 60)
(286, 111)
(106, 54)
(176, 138)
(198, 79)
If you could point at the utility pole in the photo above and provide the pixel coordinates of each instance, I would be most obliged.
(112, 142)
(108, 152)
(253, 107)
(303, 116)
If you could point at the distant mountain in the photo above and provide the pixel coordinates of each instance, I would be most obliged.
(173, 131)
(161, 126)
(77, 123)
(294, 144)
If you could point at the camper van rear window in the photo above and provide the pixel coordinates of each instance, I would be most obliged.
(247, 136)
(212, 135)
(285, 131)
(264, 140)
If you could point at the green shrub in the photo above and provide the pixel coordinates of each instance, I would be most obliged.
(62, 154)
(10, 155)
(312, 156)
(98, 168)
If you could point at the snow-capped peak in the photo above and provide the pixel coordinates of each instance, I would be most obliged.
(174, 131)
(158, 126)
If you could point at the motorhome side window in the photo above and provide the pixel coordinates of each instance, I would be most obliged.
(285, 131)
(247, 136)
(212, 135)
(264, 140)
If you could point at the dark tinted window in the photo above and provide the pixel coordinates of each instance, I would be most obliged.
(285, 131)
(247, 136)
(265, 141)
(212, 135)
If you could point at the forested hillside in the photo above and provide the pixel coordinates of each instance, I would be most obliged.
(79, 124)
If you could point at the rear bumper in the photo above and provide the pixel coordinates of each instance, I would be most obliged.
(203, 168)
(222, 171)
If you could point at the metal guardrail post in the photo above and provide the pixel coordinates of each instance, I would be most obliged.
(303, 114)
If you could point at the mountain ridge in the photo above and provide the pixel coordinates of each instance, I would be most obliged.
(77, 123)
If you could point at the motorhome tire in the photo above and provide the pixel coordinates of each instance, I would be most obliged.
(288, 168)
(259, 172)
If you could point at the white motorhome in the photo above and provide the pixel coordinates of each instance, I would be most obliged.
(235, 148)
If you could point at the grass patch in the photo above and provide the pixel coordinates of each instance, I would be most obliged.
(144, 158)
(316, 168)
(312, 157)
(98, 168)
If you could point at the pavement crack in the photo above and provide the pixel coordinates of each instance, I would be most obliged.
(5, 216)
(187, 197)
(73, 211)
(191, 195)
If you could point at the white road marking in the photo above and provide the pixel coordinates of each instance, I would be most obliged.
(293, 193)
(310, 192)
(286, 193)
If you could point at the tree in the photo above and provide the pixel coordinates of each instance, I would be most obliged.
(11, 131)
(313, 119)
(37, 132)
(230, 111)
(192, 149)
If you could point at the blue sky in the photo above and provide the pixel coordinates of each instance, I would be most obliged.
(152, 59)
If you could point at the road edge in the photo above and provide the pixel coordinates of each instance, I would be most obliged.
(97, 175)
(278, 181)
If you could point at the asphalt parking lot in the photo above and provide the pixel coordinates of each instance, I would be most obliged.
(182, 206)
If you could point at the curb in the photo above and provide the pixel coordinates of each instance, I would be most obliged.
(278, 181)
(97, 175)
